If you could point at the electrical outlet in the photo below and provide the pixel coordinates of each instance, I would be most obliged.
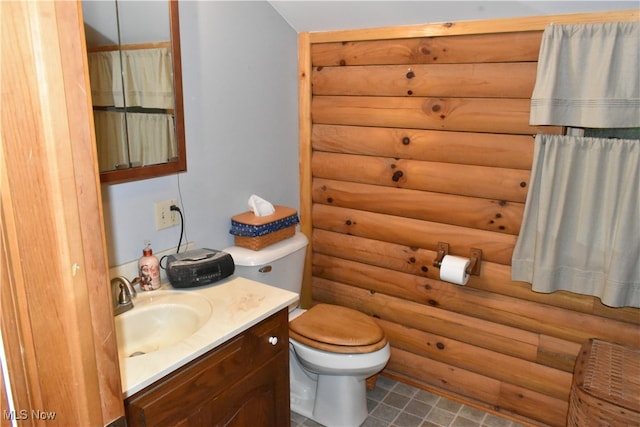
(165, 217)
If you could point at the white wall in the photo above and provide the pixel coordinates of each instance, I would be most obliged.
(345, 15)
(239, 64)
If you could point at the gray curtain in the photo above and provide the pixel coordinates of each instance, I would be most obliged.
(588, 76)
(581, 226)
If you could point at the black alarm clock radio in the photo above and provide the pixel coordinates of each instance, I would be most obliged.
(198, 267)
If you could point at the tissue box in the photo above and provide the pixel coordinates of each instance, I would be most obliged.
(256, 232)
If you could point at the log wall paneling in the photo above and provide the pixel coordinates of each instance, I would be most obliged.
(494, 277)
(476, 212)
(497, 247)
(505, 310)
(415, 135)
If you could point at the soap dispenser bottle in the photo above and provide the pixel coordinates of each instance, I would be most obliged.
(149, 269)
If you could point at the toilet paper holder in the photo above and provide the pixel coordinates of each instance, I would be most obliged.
(474, 259)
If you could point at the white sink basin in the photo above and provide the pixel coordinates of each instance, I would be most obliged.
(159, 319)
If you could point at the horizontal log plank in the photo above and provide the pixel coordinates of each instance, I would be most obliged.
(532, 404)
(526, 315)
(629, 314)
(526, 374)
(525, 402)
(496, 247)
(481, 149)
(483, 214)
(508, 47)
(452, 114)
(493, 277)
(466, 180)
(558, 353)
(490, 80)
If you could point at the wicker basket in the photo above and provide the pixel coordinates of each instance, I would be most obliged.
(606, 386)
(257, 232)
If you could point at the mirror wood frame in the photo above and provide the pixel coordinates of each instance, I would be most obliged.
(152, 171)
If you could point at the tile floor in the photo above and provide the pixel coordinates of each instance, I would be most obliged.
(396, 404)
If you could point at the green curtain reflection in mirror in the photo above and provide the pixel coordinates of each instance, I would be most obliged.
(131, 47)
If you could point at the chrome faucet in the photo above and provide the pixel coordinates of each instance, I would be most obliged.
(123, 293)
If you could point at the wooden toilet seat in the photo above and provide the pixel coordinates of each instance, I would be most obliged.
(337, 329)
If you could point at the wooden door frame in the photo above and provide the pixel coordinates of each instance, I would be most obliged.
(57, 320)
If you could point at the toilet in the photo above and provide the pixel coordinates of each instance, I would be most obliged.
(332, 349)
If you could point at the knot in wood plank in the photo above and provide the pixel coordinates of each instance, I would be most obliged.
(397, 175)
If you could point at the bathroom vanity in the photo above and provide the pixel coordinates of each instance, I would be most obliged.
(233, 371)
(242, 382)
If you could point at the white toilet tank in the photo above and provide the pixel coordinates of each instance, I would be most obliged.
(280, 265)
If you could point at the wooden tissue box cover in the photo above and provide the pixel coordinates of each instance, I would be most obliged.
(256, 232)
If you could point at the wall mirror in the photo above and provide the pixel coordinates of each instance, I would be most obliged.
(135, 70)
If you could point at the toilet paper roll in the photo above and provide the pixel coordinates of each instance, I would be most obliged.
(453, 269)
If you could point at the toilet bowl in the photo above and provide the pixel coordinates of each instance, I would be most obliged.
(324, 362)
(332, 349)
(330, 396)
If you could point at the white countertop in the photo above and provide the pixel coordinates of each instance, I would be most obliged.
(237, 304)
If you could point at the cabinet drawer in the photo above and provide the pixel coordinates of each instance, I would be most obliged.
(180, 393)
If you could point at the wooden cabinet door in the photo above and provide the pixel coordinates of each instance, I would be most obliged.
(261, 399)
